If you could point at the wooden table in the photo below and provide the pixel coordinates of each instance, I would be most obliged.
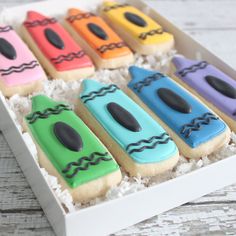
(213, 23)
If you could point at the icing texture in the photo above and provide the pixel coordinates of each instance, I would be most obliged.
(211, 83)
(94, 30)
(146, 142)
(55, 43)
(18, 66)
(136, 23)
(72, 148)
(195, 127)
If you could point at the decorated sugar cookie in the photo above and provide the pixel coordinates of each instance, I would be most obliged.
(210, 84)
(20, 71)
(57, 51)
(101, 43)
(70, 151)
(139, 144)
(140, 32)
(196, 130)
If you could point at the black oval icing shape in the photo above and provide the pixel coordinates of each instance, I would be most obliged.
(69, 137)
(135, 19)
(123, 117)
(173, 100)
(98, 31)
(54, 38)
(221, 86)
(7, 50)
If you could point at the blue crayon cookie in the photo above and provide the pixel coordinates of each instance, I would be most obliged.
(196, 130)
(139, 144)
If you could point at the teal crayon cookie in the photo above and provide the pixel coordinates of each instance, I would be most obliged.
(69, 150)
(196, 130)
(139, 144)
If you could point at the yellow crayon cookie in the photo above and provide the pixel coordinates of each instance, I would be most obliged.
(140, 32)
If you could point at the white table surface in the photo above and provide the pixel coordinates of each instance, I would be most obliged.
(212, 22)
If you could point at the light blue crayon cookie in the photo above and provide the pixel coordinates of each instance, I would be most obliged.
(136, 140)
(196, 129)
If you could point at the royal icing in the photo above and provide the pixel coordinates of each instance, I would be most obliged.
(136, 23)
(188, 118)
(75, 152)
(94, 30)
(143, 139)
(18, 66)
(211, 83)
(55, 43)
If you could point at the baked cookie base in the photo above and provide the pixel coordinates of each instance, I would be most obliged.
(133, 168)
(200, 151)
(135, 45)
(85, 192)
(101, 63)
(231, 123)
(23, 90)
(68, 75)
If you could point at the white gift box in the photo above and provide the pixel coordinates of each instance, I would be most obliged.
(113, 215)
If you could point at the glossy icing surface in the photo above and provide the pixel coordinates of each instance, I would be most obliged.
(195, 74)
(195, 128)
(110, 47)
(23, 68)
(136, 23)
(68, 143)
(70, 57)
(150, 144)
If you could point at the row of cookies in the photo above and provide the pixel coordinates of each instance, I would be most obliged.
(70, 150)
(140, 133)
(60, 53)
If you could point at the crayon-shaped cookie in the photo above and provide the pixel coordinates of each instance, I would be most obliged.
(139, 31)
(196, 130)
(211, 85)
(70, 151)
(57, 51)
(20, 71)
(100, 42)
(139, 144)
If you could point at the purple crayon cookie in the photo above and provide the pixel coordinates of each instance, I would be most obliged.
(209, 83)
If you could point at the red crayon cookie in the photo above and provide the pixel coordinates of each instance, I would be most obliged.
(59, 54)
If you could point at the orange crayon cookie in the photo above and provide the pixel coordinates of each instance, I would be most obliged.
(100, 42)
(139, 31)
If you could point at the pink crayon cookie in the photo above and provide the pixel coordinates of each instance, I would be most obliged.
(57, 51)
(20, 71)
(211, 85)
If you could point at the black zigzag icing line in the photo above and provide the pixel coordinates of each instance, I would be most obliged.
(106, 9)
(47, 112)
(147, 81)
(197, 123)
(111, 46)
(80, 16)
(5, 29)
(100, 93)
(84, 162)
(43, 22)
(200, 66)
(146, 141)
(141, 149)
(19, 69)
(69, 57)
(144, 35)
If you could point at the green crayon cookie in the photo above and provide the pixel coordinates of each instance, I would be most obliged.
(69, 150)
